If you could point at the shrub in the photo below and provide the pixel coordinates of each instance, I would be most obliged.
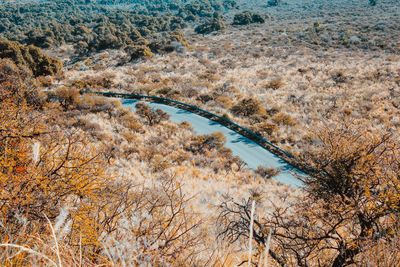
(106, 80)
(153, 116)
(209, 75)
(248, 107)
(138, 52)
(339, 77)
(168, 92)
(273, 2)
(102, 104)
(273, 84)
(67, 97)
(265, 128)
(178, 36)
(210, 26)
(186, 125)
(242, 18)
(19, 85)
(226, 116)
(215, 140)
(246, 18)
(30, 57)
(204, 98)
(257, 18)
(62, 169)
(225, 102)
(266, 172)
(172, 41)
(284, 119)
(130, 122)
(201, 143)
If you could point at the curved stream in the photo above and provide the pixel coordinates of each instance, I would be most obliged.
(252, 153)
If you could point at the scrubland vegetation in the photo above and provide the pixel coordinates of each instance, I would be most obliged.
(117, 187)
(86, 182)
(92, 26)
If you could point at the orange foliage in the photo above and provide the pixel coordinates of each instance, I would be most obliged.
(45, 171)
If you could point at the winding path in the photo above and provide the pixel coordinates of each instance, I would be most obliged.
(253, 153)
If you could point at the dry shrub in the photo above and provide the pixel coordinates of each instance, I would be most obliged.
(204, 98)
(267, 172)
(99, 67)
(265, 128)
(96, 104)
(159, 163)
(201, 143)
(284, 119)
(63, 170)
(106, 81)
(131, 123)
(248, 107)
(209, 76)
(383, 253)
(19, 84)
(67, 97)
(186, 125)
(153, 116)
(45, 81)
(102, 104)
(273, 84)
(103, 56)
(168, 92)
(215, 140)
(179, 156)
(339, 77)
(273, 110)
(159, 231)
(88, 62)
(87, 126)
(225, 102)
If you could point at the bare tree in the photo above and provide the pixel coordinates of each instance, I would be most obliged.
(351, 203)
(234, 222)
(153, 116)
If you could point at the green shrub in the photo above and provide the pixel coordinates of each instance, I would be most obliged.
(178, 36)
(210, 26)
(30, 57)
(246, 18)
(273, 2)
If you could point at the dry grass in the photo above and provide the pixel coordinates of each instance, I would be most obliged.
(316, 86)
